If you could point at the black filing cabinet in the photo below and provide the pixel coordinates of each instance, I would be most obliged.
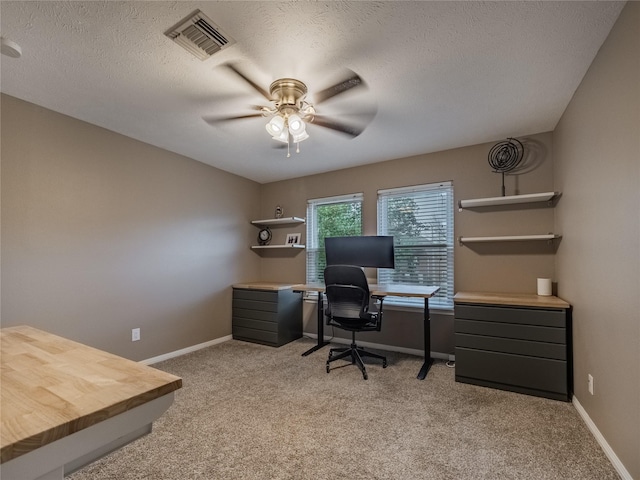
(518, 348)
(269, 317)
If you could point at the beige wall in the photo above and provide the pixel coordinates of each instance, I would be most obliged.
(102, 233)
(597, 152)
(499, 267)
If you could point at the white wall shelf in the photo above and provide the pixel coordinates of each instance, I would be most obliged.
(509, 238)
(289, 246)
(271, 222)
(279, 221)
(547, 197)
(509, 200)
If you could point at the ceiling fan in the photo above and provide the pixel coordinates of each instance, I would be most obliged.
(290, 111)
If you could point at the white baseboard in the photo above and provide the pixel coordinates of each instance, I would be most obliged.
(184, 351)
(608, 451)
(387, 348)
(345, 341)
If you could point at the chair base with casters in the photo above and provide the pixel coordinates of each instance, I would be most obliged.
(355, 353)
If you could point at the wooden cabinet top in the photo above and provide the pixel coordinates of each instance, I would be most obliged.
(511, 299)
(263, 286)
(53, 387)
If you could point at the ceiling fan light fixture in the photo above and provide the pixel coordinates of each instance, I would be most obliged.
(275, 127)
(300, 137)
(289, 112)
(283, 137)
(296, 125)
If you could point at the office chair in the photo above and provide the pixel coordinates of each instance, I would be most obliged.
(347, 308)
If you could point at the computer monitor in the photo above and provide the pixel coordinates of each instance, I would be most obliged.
(363, 251)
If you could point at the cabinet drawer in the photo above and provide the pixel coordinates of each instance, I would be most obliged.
(253, 335)
(255, 314)
(259, 295)
(521, 316)
(509, 330)
(513, 370)
(508, 345)
(255, 305)
(255, 324)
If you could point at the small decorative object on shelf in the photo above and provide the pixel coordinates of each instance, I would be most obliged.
(279, 212)
(505, 157)
(545, 287)
(264, 236)
(292, 239)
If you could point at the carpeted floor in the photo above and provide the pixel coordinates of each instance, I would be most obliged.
(252, 412)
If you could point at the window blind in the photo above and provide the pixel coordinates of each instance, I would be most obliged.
(420, 218)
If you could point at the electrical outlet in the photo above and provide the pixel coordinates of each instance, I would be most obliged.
(590, 383)
(135, 334)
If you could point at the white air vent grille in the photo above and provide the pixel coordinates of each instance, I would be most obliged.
(199, 35)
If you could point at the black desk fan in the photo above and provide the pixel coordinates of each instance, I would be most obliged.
(505, 156)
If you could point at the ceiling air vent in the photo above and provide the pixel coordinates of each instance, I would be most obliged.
(199, 35)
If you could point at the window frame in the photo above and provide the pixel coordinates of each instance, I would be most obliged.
(312, 240)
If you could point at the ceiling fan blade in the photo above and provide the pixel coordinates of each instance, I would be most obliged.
(352, 81)
(351, 130)
(256, 87)
(214, 120)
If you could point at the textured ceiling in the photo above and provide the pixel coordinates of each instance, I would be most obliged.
(439, 75)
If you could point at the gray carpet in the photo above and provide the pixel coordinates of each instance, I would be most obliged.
(249, 412)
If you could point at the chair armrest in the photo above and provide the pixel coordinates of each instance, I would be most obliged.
(378, 298)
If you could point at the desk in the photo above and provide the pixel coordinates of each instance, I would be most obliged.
(380, 291)
(65, 404)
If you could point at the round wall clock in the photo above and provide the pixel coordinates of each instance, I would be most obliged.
(264, 236)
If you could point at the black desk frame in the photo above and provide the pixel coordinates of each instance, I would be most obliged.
(320, 313)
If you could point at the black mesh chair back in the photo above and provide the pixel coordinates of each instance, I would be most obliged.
(347, 305)
(348, 299)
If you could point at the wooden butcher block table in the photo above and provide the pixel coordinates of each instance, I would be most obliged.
(64, 404)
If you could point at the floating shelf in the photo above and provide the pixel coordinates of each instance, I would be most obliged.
(508, 238)
(261, 247)
(279, 221)
(508, 200)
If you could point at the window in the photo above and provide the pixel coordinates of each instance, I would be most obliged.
(339, 216)
(420, 219)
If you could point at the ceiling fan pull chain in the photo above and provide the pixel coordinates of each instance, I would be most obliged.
(298, 147)
(288, 153)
